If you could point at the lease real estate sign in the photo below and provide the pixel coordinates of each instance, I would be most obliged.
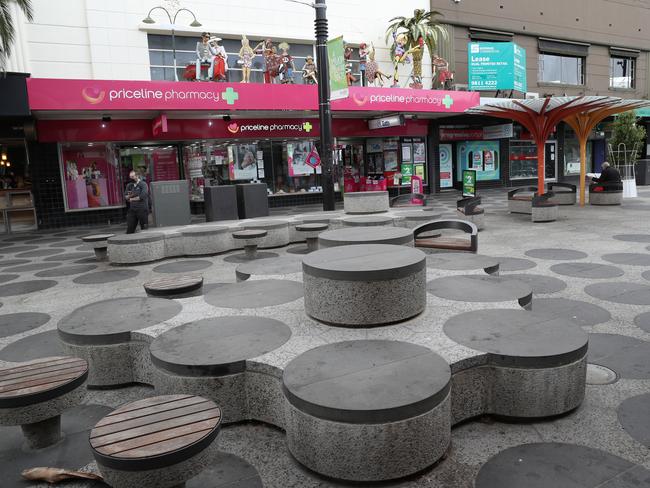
(496, 66)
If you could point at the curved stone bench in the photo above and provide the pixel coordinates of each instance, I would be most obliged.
(414, 218)
(366, 202)
(183, 286)
(205, 239)
(544, 208)
(34, 394)
(102, 334)
(564, 193)
(277, 232)
(143, 247)
(427, 236)
(366, 235)
(158, 442)
(606, 193)
(520, 199)
(99, 243)
(468, 209)
(209, 358)
(364, 286)
(367, 221)
(367, 410)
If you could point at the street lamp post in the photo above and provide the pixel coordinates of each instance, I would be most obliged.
(172, 21)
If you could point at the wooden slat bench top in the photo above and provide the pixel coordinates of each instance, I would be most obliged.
(451, 243)
(40, 380)
(523, 198)
(173, 283)
(155, 432)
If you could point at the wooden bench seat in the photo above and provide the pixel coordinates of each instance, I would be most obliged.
(424, 239)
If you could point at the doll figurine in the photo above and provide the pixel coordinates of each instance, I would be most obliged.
(363, 59)
(286, 64)
(205, 53)
(347, 54)
(309, 71)
(246, 55)
(373, 74)
(220, 60)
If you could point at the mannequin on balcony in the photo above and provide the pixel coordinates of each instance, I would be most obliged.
(205, 54)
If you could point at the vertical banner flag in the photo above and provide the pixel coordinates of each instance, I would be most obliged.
(336, 61)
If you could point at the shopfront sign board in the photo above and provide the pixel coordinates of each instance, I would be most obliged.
(496, 66)
(469, 183)
(336, 63)
(500, 131)
(384, 122)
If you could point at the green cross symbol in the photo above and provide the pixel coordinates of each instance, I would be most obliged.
(230, 96)
(447, 101)
(307, 126)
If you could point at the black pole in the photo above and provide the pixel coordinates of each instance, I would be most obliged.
(324, 110)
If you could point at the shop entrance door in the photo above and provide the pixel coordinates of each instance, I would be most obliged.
(550, 161)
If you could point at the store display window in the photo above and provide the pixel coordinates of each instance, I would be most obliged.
(572, 153)
(523, 160)
(296, 167)
(480, 156)
(91, 176)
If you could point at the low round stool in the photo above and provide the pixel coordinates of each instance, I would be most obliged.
(252, 239)
(36, 393)
(182, 286)
(311, 232)
(99, 243)
(158, 442)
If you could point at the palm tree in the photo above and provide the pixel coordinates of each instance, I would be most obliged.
(421, 29)
(7, 30)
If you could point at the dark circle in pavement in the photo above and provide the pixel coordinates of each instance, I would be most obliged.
(17, 323)
(112, 321)
(461, 261)
(30, 267)
(69, 256)
(217, 346)
(254, 293)
(646, 275)
(8, 277)
(629, 258)
(518, 338)
(16, 249)
(556, 254)
(480, 288)
(553, 464)
(4, 245)
(625, 355)
(582, 313)
(587, 270)
(227, 471)
(539, 283)
(13, 262)
(633, 415)
(49, 240)
(21, 238)
(66, 270)
(367, 381)
(620, 292)
(66, 243)
(110, 276)
(242, 258)
(39, 253)
(183, 266)
(269, 266)
(24, 287)
(642, 321)
(41, 345)
(515, 264)
(633, 237)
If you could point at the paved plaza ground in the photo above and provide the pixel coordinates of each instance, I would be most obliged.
(592, 266)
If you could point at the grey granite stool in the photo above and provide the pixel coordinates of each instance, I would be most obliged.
(142, 247)
(370, 285)
(367, 410)
(311, 232)
(365, 202)
(158, 442)
(251, 238)
(175, 286)
(34, 394)
(277, 231)
(99, 243)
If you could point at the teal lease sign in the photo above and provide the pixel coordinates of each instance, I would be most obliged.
(496, 66)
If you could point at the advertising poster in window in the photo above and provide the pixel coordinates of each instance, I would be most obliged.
(406, 153)
(446, 180)
(374, 145)
(297, 154)
(390, 161)
(243, 166)
(407, 172)
(480, 156)
(419, 152)
(418, 170)
(165, 165)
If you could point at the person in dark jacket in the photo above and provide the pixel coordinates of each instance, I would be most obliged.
(137, 195)
(607, 174)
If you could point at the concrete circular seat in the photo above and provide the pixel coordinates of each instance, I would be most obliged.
(375, 400)
(157, 442)
(277, 231)
(311, 231)
(366, 221)
(366, 202)
(35, 393)
(205, 239)
(99, 243)
(174, 286)
(371, 285)
(366, 235)
(251, 239)
(462, 261)
(137, 248)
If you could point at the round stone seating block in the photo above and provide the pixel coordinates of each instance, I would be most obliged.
(376, 400)
(201, 240)
(605, 198)
(372, 285)
(161, 441)
(97, 240)
(367, 221)
(366, 202)
(174, 286)
(547, 213)
(136, 248)
(203, 230)
(277, 232)
(366, 235)
(312, 227)
(249, 234)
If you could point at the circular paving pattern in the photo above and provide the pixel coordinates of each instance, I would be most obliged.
(633, 415)
(48, 240)
(217, 346)
(39, 253)
(539, 283)
(13, 262)
(8, 277)
(30, 267)
(515, 264)
(242, 258)
(582, 313)
(629, 258)
(620, 292)
(600, 375)
(519, 338)
(367, 381)
(15, 249)
(24, 287)
(627, 356)
(642, 321)
(366, 235)
(21, 238)
(557, 254)
(227, 471)
(41, 345)
(186, 266)
(66, 270)
(70, 256)
(587, 270)
(271, 266)
(546, 465)
(478, 288)
(66, 244)
(462, 261)
(101, 277)
(633, 237)
(17, 323)
(111, 321)
(254, 293)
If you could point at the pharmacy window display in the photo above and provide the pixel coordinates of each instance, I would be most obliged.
(480, 156)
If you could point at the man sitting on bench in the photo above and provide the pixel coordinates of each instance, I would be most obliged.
(607, 174)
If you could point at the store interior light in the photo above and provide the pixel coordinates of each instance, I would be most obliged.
(210, 123)
(4, 156)
(8, 164)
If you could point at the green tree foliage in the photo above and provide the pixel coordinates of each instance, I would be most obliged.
(626, 131)
(7, 28)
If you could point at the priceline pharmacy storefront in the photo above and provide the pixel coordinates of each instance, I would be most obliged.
(92, 133)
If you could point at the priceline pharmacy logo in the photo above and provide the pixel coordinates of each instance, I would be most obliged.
(94, 95)
(234, 127)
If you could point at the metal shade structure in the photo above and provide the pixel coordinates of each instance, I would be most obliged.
(540, 116)
(584, 122)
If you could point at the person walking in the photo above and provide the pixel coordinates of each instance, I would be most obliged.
(137, 196)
